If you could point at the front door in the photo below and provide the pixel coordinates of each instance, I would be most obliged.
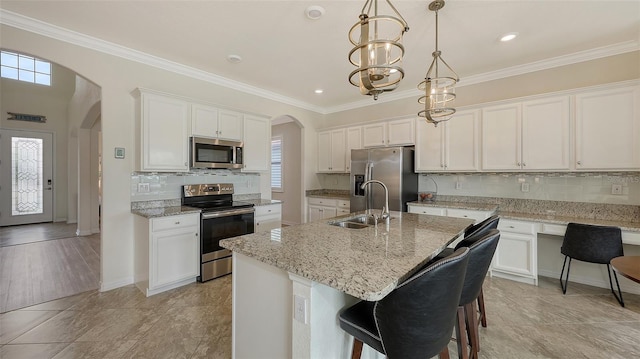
(26, 177)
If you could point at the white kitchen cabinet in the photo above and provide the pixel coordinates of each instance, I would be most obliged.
(476, 215)
(321, 208)
(163, 132)
(167, 252)
(343, 207)
(354, 142)
(608, 129)
(208, 121)
(257, 144)
(452, 146)
(268, 217)
(331, 151)
(391, 133)
(531, 135)
(516, 254)
(434, 211)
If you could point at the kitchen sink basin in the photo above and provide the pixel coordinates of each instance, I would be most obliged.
(357, 222)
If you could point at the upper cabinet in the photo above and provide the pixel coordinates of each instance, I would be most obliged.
(257, 144)
(354, 142)
(391, 133)
(608, 129)
(212, 122)
(162, 130)
(452, 146)
(331, 151)
(531, 135)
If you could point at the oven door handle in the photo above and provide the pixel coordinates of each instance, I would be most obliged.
(227, 213)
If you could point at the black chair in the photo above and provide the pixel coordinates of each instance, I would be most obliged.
(416, 319)
(481, 253)
(472, 234)
(594, 244)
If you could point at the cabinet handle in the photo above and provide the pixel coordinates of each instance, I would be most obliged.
(524, 164)
(512, 227)
(518, 164)
(178, 222)
(579, 163)
(269, 211)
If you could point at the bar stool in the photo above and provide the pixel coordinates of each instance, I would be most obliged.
(416, 319)
(481, 253)
(593, 244)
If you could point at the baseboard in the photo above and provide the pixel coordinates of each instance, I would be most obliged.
(629, 287)
(95, 230)
(84, 233)
(60, 220)
(115, 284)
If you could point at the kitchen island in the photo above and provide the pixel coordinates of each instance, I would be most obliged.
(290, 283)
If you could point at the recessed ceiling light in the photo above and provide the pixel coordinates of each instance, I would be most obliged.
(318, 91)
(314, 12)
(508, 36)
(234, 59)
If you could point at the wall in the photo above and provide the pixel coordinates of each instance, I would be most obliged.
(118, 78)
(50, 101)
(292, 162)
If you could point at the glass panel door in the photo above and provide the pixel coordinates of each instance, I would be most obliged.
(26, 182)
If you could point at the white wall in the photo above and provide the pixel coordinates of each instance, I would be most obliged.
(50, 101)
(292, 160)
(117, 78)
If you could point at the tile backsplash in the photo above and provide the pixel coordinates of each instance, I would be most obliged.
(167, 186)
(570, 187)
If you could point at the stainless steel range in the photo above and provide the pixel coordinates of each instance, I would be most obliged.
(221, 218)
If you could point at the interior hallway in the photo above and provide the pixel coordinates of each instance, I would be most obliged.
(43, 262)
(195, 322)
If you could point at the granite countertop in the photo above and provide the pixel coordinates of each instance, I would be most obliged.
(328, 193)
(556, 218)
(164, 211)
(365, 263)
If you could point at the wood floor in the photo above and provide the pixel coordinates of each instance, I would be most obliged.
(44, 269)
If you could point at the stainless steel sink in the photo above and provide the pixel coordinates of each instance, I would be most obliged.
(357, 222)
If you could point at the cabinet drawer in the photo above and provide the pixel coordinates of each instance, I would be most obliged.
(175, 222)
(267, 210)
(342, 204)
(434, 211)
(323, 202)
(466, 213)
(516, 227)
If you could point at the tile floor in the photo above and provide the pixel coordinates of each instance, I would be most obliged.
(195, 322)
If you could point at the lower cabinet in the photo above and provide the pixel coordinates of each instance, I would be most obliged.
(449, 212)
(323, 208)
(515, 257)
(268, 217)
(167, 252)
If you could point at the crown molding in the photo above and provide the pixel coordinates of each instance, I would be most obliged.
(59, 33)
(45, 29)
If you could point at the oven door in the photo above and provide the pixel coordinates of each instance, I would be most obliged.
(220, 225)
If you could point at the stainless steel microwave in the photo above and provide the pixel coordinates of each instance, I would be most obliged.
(215, 153)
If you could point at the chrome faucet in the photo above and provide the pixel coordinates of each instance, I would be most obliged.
(385, 210)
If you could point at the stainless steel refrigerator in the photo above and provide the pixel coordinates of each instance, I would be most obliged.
(393, 166)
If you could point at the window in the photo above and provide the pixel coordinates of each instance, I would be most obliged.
(276, 164)
(25, 68)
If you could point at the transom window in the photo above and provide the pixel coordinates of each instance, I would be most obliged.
(25, 68)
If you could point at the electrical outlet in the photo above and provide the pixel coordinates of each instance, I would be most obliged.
(458, 185)
(616, 188)
(300, 309)
(524, 187)
(143, 187)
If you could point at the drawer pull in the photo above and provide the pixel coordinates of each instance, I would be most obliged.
(512, 227)
(178, 222)
(269, 211)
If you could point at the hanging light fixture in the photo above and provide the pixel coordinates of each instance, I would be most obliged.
(378, 50)
(438, 86)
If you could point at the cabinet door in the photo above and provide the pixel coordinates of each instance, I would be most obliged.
(230, 125)
(608, 129)
(338, 146)
(515, 255)
(314, 213)
(401, 132)
(354, 142)
(374, 135)
(461, 141)
(329, 212)
(257, 140)
(324, 151)
(175, 255)
(501, 137)
(429, 147)
(165, 135)
(545, 134)
(204, 120)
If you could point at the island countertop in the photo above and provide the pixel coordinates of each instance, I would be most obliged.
(365, 263)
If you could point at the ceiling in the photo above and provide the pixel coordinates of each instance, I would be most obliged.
(289, 55)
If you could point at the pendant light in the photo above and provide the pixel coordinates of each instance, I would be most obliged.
(438, 85)
(378, 49)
